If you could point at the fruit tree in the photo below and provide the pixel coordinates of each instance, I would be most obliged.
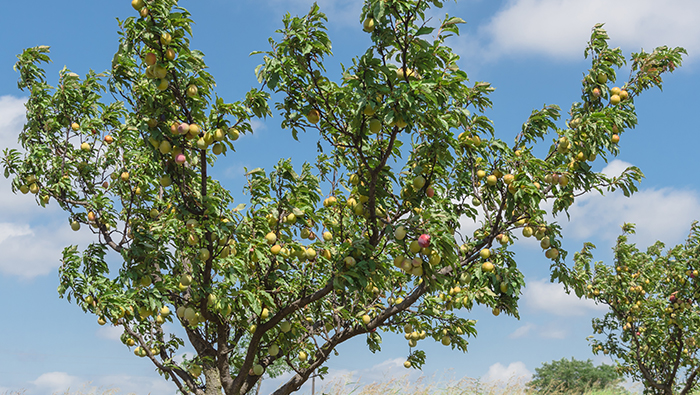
(654, 318)
(364, 242)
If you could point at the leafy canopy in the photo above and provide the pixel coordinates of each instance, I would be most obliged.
(364, 242)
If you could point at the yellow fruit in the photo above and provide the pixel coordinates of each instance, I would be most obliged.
(368, 25)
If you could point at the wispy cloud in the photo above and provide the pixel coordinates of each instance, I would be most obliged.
(560, 28)
(541, 295)
(515, 371)
(659, 214)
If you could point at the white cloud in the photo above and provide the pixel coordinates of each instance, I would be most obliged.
(9, 230)
(12, 114)
(515, 371)
(560, 28)
(109, 332)
(659, 214)
(343, 13)
(55, 382)
(36, 250)
(522, 331)
(551, 298)
(553, 332)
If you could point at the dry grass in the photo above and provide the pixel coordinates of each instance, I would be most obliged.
(431, 386)
(86, 390)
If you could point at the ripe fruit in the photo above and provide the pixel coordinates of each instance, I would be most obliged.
(271, 238)
(165, 39)
(303, 356)
(124, 176)
(624, 95)
(615, 91)
(596, 93)
(313, 116)
(151, 58)
(375, 125)
(491, 180)
(545, 243)
(163, 85)
(166, 181)
(424, 241)
(233, 133)
(354, 179)
(487, 267)
(400, 233)
(407, 364)
(552, 253)
(349, 261)
(276, 249)
(180, 158)
(185, 279)
(563, 180)
(164, 147)
(109, 139)
(327, 236)
(480, 174)
(368, 25)
(75, 225)
(366, 319)
(137, 4)
(615, 138)
(527, 231)
(160, 72)
(614, 100)
(91, 216)
(485, 253)
(183, 128)
(430, 192)
(217, 149)
(273, 350)
(192, 90)
(418, 182)
(75, 126)
(265, 313)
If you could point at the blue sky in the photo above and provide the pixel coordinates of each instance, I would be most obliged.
(530, 50)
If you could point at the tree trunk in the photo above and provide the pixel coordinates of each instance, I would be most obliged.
(212, 380)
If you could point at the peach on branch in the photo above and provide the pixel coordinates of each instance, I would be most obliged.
(424, 240)
(151, 58)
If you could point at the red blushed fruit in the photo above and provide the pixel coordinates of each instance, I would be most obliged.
(430, 192)
(180, 159)
(424, 241)
(151, 58)
(672, 298)
(183, 128)
(109, 139)
(105, 184)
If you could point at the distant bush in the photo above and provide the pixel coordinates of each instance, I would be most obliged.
(574, 376)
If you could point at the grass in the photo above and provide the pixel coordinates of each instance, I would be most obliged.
(430, 386)
(86, 390)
